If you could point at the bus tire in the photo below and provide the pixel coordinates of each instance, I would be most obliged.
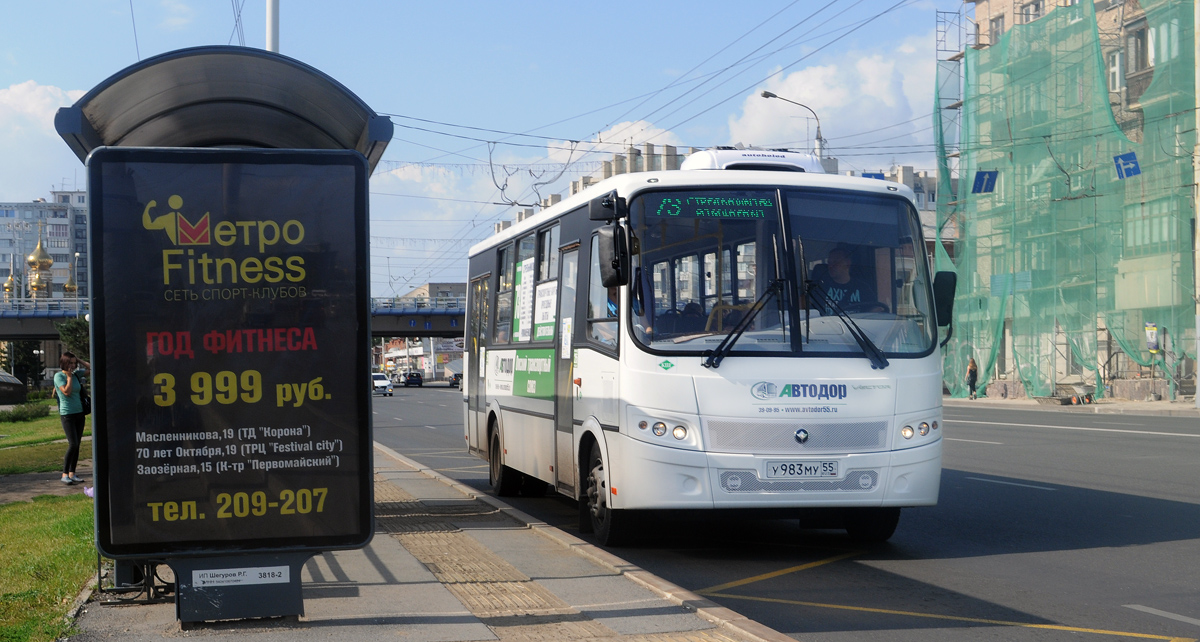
(607, 523)
(872, 525)
(505, 482)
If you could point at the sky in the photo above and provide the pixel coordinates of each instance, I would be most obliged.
(524, 96)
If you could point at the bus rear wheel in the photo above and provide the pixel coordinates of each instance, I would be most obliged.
(872, 525)
(595, 514)
(504, 481)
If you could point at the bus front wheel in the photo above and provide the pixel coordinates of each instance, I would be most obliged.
(872, 525)
(595, 514)
(504, 481)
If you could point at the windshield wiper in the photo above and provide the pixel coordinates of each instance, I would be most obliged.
(872, 351)
(714, 357)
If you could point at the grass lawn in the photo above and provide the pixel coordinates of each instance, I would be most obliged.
(21, 433)
(38, 458)
(26, 445)
(46, 557)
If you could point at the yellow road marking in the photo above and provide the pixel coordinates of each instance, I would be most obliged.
(767, 576)
(955, 618)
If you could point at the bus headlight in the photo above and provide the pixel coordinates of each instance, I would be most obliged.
(679, 433)
(923, 428)
(906, 432)
(643, 424)
(660, 428)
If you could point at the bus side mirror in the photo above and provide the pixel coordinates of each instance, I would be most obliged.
(944, 284)
(614, 256)
(607, 208)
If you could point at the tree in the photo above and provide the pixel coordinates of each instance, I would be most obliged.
(76, 336)
(22, 361)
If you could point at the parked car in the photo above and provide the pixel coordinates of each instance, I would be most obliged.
(381, 384)
(414, 379)
(455, 380)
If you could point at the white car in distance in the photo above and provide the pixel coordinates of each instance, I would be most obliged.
(382, 385)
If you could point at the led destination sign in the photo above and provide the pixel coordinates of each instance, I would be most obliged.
(713, 206)
(230, 338)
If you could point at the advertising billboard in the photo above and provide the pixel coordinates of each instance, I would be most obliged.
(230, 338)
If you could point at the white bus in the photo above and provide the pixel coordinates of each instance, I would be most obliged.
(745, 333)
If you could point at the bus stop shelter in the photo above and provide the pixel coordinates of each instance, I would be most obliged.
(219, 96)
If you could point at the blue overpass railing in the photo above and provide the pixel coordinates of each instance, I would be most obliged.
(69, 307)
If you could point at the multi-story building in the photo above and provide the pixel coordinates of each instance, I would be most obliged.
(62, 223)
(1075, 146)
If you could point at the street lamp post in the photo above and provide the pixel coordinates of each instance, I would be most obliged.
(819, 148)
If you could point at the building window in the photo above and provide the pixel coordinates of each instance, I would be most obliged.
(1137, 56)
(996, 27)
(1032, 11)
(81, 199)
(81, 234)
(59, 243)
(80, 219)
(1116, 79)
(58, 230)
(64, 198)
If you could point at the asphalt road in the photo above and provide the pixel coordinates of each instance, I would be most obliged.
(1050, 526)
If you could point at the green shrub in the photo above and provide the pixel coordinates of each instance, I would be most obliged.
(40, 394)
(25, 412)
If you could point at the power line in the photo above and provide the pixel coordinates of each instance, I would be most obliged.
(132, 19)
(238, 27)
(701, 63)
(439, 198)
(791, 64)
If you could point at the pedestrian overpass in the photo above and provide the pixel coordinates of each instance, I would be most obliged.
(409, 317)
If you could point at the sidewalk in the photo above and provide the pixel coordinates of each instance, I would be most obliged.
(448, 563)
(1101, 406)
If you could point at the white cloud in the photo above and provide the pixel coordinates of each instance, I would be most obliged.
(178, 15)
(30, 105)
(858, 92)
(34, 154)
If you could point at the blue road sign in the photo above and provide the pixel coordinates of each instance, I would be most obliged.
(985, 181)
(873, 175)
(1127, 165)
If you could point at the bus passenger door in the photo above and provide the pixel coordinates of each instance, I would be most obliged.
(564, 420)
(475, 376)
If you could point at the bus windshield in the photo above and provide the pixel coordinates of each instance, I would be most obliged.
(703, 258)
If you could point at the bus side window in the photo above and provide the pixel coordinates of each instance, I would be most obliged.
(603, 306)
(504, 297)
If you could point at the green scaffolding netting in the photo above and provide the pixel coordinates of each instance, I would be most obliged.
(1069, 256)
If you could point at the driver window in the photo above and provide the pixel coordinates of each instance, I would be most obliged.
(603, 308)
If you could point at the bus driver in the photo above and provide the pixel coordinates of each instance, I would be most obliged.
(842, 287)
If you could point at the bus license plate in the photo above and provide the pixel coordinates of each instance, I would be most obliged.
(801, 469)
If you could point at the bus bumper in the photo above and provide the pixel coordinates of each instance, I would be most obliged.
(646, 476)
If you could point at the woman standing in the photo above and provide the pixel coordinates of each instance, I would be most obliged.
(70, 410)
(972, 375)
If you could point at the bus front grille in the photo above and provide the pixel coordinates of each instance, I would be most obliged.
(747, 481)
(779, 437)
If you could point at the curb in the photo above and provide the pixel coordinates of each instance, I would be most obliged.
(81, 601)
(706, 609)
(1096, 408)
